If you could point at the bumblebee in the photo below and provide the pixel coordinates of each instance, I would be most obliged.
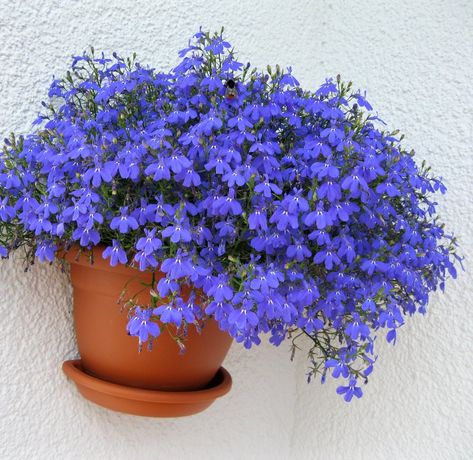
(230, 89)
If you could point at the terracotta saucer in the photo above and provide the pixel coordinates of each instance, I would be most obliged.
(149, 403)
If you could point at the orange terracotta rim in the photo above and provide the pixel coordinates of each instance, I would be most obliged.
(151, 403)
(82, 256)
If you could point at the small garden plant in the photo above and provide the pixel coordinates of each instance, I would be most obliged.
(291, 213)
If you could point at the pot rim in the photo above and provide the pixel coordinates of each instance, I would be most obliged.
(78, 255)
(220, 385)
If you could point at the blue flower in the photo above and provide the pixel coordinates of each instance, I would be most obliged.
(357, 328)
(328, 256)
(220, 290)
(368, 305)
(44, 251)
(310, 324)
(339, 367)
(168, 314)
(124, 223)
(298, 251)
(6, 212)
(159, 170)
(234, 177)
(264, 281)
(327, 88)
(167, 286)
(389, 188)
(284, 219)
(320, 217)
(371, 265)
(257, 220)
(100, 173)
(296, 203)
(212, 83)
(115, 253)
(217, 46)
(267, 188)
(326, 169)
(362, 102)
(145, 261)
(189, 177)
(178, 162)
(149, 244)
(229, 204)
(178, 266)
(219, 164)
(240, 122)
(175, 314)
(350, 390)
(334, 134)
(269, 304)
(177, 232)
(353, 183)
(243, 318)
(141, 325)
(347, 249)
(10, 180)
(86, 236)
(331, 190)
(209, 123)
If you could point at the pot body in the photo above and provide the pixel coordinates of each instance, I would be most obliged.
(109, 353)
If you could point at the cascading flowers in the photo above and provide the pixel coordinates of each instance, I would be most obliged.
(288, 212)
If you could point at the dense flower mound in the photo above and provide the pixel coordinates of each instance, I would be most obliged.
(288, 211)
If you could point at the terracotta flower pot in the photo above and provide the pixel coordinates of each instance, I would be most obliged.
(113, 373)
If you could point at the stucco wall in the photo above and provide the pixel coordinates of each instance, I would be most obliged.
(415, 59)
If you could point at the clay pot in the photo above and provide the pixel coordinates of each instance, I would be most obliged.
(109, 356)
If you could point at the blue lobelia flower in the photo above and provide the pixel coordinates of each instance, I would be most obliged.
(115, 253)
(178, 266)
(141, 324)
(220, 290)
(168, 314)
(124, 222)
(178, 231)
(350, 390)
(45, 251)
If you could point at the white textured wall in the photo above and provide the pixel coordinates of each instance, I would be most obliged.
(416, 60)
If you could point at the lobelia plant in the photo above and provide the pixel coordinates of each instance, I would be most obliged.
(289, 212)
